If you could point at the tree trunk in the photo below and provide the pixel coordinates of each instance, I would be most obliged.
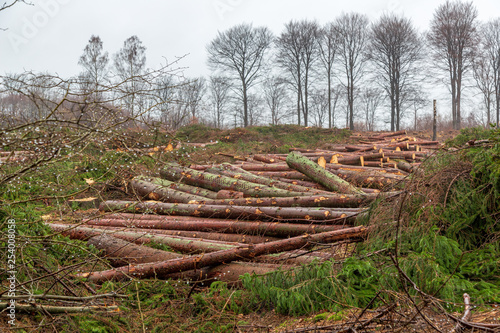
(218, 182)
(121, 253)
(162, 268)
(181, 244)
(222, 211)
(209, 236)
(273, 229)
(147, 189)
(180, 187)
(334, 183)
(238, 173)
(331, 200)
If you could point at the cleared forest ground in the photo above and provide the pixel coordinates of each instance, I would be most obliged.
(409, 273)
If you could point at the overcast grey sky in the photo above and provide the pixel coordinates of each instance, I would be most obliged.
(51, 35)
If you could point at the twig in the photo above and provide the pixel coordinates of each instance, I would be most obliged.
(58, 309)
(63, 298)
(139, 306)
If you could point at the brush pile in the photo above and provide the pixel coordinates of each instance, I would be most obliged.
(256, 214)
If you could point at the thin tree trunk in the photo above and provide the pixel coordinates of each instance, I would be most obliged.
(223, 211)
(272, 229)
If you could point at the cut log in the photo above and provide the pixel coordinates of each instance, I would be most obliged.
(320, 175)
(162, 268)
(331, 200)
(369, 179)
(121, 253)
(180, 187)
(282, 174)
(181, 244)
(222, 211)
(146, 189)
(266, 167)
(275, 229)
(209, 236)
(304, 183)
(218, 182)
(238, 173)
(263, 158)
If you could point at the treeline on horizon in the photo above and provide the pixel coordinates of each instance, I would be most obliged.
(349, 72)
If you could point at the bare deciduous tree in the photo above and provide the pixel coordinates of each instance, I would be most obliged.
(129, 64)
(352, 35)
(192, 94)
(490, 34)
(327, 49)
(240, 52)
(95, 63)
(297, 51)
(275, 96)
(219, 91)
(453, 38)
(395, 49)
(370, 100)
(484, 77)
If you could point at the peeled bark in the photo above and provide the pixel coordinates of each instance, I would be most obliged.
(218, 182)
(162, 268)
(275, 229)
(181, 244)
(221, 211)
(147, 189)
(320, 175)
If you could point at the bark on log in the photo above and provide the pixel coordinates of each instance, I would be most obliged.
(369, 179)
(209, 236)
(238, 173)
(146, 189)
(221, 211)
(363, 169)
(274, 229)
(218, 182)
(121, 253)
(159, 269)
(266, 167)
(320, 175)
(331, 200)
(198, 191)
(282, 174)
(181, 244)
(304, 183)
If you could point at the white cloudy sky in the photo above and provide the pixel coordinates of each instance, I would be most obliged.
(51, 34)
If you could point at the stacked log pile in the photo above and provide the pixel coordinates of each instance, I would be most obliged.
(270, 209)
